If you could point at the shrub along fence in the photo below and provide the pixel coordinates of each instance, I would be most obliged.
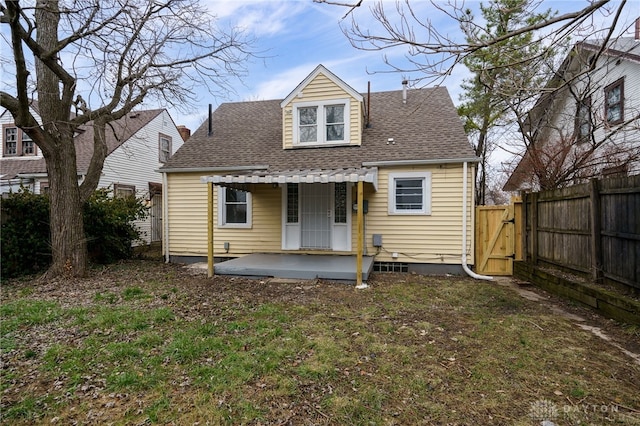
(591, 231)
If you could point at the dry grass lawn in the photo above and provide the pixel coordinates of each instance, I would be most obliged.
(148, 343)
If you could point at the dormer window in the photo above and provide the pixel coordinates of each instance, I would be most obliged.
(321, 123)
(334, 122)
(308, 119)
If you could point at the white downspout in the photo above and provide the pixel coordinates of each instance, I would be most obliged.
(165, 216)
(464, 229)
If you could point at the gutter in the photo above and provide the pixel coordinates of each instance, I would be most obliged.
(32, 175)
(464, 229)
(420, 162)
(165, 217)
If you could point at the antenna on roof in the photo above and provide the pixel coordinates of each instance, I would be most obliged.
(210, 124)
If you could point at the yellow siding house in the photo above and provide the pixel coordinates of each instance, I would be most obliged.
(283, 177)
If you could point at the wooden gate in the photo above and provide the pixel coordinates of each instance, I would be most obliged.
(498, 238)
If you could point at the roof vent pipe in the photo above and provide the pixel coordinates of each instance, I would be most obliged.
(210, 123)
(637, 29)
(368, 105)
(404, 91)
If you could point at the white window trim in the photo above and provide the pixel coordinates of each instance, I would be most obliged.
(222, 198)
(321, 122)
(426, 193)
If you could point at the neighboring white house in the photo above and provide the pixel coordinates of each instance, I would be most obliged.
(138, 144)
(591, 105)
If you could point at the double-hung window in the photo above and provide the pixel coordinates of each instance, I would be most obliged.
(583, 119)
(164, 147)
(334, 122)
(11, 141)
(410, 193)
(16, 142)
(321, 123)
(28, 146)
(234, 208)
(614, 102)
(308, 124)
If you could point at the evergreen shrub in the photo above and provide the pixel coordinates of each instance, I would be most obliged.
(25, 242)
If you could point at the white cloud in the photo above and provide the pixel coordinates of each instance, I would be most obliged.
(254, 16)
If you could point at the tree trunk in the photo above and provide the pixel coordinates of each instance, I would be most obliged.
(68, 241)
(68, 244)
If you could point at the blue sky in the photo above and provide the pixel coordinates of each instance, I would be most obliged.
(294, 36)
(297, 35)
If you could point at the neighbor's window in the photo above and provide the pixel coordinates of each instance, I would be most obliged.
(45, 188)
(410, 193)
(583, 119)
(321, 123)
(11, 141)
(614, 102)
(16, 142)
(122, 191)
(234, 208)
(28, 146)
(164, 147)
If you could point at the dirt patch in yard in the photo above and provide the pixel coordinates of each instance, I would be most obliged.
(144, 342)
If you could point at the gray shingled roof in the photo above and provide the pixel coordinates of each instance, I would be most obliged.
(625, 47)
(427, 127)
(118, 133)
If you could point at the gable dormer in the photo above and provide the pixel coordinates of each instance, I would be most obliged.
(322, 111)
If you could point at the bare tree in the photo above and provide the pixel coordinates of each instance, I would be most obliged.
(90, 62)
(435, 53)
(553, 151)
(567, 136)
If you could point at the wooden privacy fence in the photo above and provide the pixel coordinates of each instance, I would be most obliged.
(591, 229)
